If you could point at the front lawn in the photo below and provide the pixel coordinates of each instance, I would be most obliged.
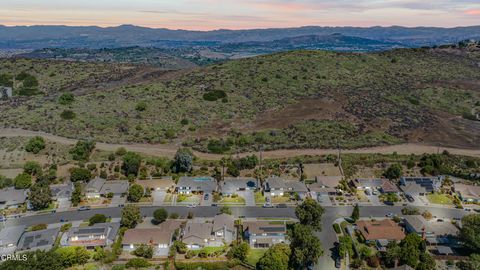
(168, 198)
(254, 255)
(259, 198)
(280, 199)
(438, 198)
(233, 200)
(188, 198)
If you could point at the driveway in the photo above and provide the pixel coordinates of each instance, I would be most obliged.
(117, 200)
(374, 200)
(324, 200)
(207, 202)
(63, 205)
(158, 197)
(249, 197)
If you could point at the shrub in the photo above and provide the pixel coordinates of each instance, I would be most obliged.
(23, 181)
(38, 227)
(159, 216)
(137, 263)
(35, 145)
(174, 216)
(66, 227)
(336, 228)
(80, 174)
(141, 106)
(214, 95)
(66, 99)
(68, 115)
(97, 218)
(144, 251)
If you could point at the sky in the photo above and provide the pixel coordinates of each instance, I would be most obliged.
(240, 14)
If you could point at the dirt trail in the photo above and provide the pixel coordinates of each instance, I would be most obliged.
(168, 150)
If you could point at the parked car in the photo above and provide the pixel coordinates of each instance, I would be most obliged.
(205, 197)
(214, 204)
(267, 205)
(281, 205)
(468, 210)
(84, 208)
(310, 266)
(409, 198)
(3, 218)
(390, 215)
(368, 192)
(375, 192)
(191, 206)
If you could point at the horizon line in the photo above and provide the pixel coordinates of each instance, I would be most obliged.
(241, 29)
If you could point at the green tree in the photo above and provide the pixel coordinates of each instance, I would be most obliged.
(131, 216)
(70, 256)
(239, 251)
(80, 174)
(356, 212)
(32, 168)
(135, 193)
(82, 150)
(183, 161)
(305, 246)
(160, 215)
(276, 258)
(470, 232)
(394, 171)
(310, 213)
(35, 260)
(131, 163)
(23, 181)
(97, 218)
(473, 263)
(40, 196)
(76, 194)
(35, 145)
(144, 251)
(225, 210)
(393, 253)
(345, 246)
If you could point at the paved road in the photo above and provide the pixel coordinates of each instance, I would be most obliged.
(327, 235)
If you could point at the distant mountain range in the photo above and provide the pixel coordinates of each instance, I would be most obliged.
(38, 37)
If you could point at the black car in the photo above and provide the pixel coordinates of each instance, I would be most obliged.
(205, 197)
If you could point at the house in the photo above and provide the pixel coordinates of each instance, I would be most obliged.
(98, 235)
(100, 187)
(264, 234)
(201, 184)
(160, 238)
(38, 240)
(230, 185)
(116, 187)
(12, 198)
(388, 187)
(467, 193)
(319, 189)
(217, 233)
(328, 181)
(277, 186)
(9, 238)
(367, 183)
(162, 184)
(420, 186)
(62, 191)
(380, 231)
(93, 187)
(433, 231)
(5, 92)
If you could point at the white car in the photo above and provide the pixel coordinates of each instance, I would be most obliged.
(191, 205)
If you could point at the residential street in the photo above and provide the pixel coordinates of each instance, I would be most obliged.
(327, 235)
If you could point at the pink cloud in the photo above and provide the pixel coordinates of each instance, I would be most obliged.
(473, 12)
(285, 7)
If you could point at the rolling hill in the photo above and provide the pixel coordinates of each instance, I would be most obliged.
(288, 100)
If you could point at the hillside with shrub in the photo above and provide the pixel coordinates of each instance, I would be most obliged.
(299, 99)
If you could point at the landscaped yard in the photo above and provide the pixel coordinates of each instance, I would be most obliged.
(168, 198)
(438, 198)
(259, 198)
(255, 254)
(188, 198)
(232, 200)
(280, 199)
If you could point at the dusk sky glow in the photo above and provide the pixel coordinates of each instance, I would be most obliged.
(245, 14)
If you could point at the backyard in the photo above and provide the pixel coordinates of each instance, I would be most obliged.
(254, 255)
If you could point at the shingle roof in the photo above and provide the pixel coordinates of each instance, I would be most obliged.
(12, 196)
(231, 184)
(11, 235)
(381, 229)
(223, 220)
(62, 190)
(115, 186)
(468, 191)
(160, 235)
(420, 224)
(368, 182)
(200, 183)
(156, 183)
(198, 230)
(389, 187)
(328, 181)
(95, 185)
